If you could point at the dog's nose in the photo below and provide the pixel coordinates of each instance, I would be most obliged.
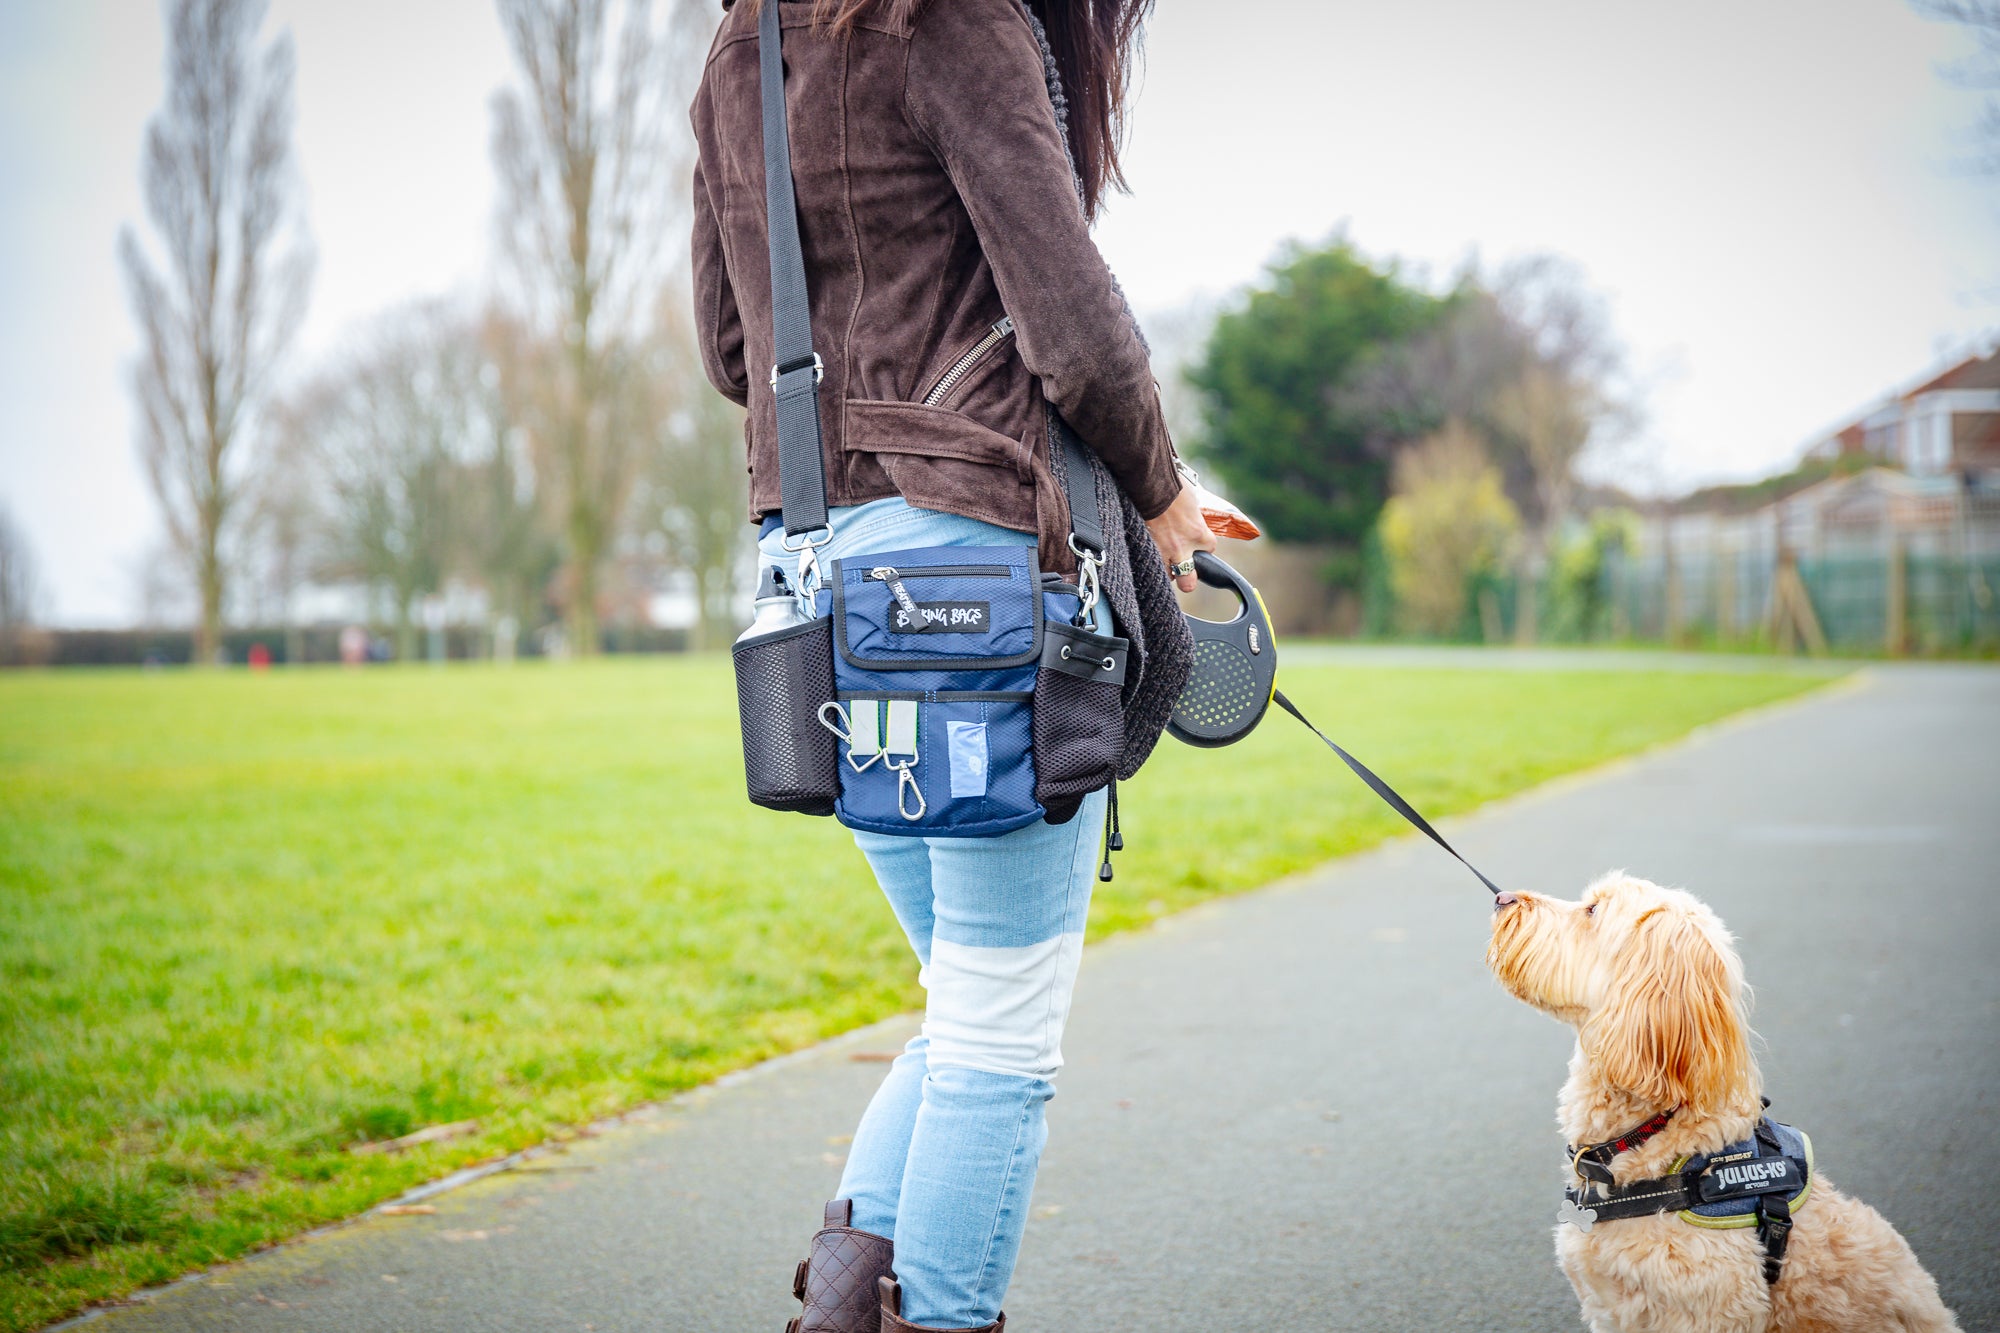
(1501, 900)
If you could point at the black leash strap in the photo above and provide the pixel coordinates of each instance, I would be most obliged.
(1382, 789)
(796, 369)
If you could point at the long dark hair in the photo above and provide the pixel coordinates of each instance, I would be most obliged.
(1096, 44)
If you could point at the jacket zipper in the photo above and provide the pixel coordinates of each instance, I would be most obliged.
(962, 367)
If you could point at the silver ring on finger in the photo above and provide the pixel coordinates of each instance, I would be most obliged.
(1181, 569)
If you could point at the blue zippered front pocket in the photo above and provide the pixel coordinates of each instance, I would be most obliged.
(935, 657)
(940, 610)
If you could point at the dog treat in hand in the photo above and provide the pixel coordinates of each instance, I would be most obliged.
(1223, 518)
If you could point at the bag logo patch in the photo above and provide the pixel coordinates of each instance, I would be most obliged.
(941, 618)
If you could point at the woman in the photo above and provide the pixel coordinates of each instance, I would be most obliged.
(948, 157)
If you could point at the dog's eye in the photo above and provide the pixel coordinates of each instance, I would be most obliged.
(1590, 909)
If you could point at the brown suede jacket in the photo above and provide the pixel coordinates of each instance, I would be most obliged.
(954, 282)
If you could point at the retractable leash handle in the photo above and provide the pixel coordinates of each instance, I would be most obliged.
(1235, 666)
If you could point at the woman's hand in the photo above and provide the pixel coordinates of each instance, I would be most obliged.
(1180, 532)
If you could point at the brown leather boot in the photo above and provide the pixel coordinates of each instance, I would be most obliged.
(837, 1280)
(893, 1322)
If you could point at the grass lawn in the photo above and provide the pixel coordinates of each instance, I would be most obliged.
(250, 921)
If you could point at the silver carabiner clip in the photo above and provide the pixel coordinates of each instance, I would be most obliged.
(1089, 582)
(843, 727)
(807, 545)
(906, 786)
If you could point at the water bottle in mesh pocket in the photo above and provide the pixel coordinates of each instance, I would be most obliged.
(782, 680)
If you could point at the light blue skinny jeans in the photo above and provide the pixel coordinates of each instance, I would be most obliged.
(944, 1159)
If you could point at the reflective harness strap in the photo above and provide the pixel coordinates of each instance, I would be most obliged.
(1584, 1206)
(1774, 1212)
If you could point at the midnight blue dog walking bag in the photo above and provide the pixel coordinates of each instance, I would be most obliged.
(940, 657)
(968, 693)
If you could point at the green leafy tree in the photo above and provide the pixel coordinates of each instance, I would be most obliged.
(1289, 443)
(1579, 608)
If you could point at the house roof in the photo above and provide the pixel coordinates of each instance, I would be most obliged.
(1979, 369)
(1974, 372)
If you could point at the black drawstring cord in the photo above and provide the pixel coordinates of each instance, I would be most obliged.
(1114, 841)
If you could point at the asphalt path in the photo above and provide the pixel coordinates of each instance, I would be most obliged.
(1310, 1108)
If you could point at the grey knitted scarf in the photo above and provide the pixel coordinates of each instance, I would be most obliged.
(1135, 576)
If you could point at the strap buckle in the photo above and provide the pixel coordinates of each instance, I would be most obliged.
(1588, 1170)
(806, 546)
(1774, 1228)
(818, 370)
(1088, 581)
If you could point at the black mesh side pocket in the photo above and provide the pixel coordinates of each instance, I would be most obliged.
(1079, 723)
(789, 760)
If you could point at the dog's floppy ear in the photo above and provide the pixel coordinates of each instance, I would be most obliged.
(1671, 1028)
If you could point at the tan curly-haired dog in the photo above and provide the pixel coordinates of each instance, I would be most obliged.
(1649, 980)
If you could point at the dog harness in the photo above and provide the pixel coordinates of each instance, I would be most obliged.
(1757, 1182)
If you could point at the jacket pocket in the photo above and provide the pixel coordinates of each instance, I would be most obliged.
(876, 426)
(960, 371)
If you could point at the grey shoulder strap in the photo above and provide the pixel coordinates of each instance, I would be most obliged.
(796, 369)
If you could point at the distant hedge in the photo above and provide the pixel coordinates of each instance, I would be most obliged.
(319, 643)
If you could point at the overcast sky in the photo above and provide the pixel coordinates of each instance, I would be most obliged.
(1755, 184)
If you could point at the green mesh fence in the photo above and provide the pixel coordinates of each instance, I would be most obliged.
(1949, 606)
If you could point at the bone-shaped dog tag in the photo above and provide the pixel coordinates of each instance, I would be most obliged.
(1580, 1218)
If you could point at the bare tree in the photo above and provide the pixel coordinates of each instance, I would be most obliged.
(218, 310)
(20, 590)
(506, 545)
(1451, 372)
(1979, 72)
(694, 493)
(1546, 419)
(283, 518)
(1566, 397)
(586, 149)
(389, 437)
